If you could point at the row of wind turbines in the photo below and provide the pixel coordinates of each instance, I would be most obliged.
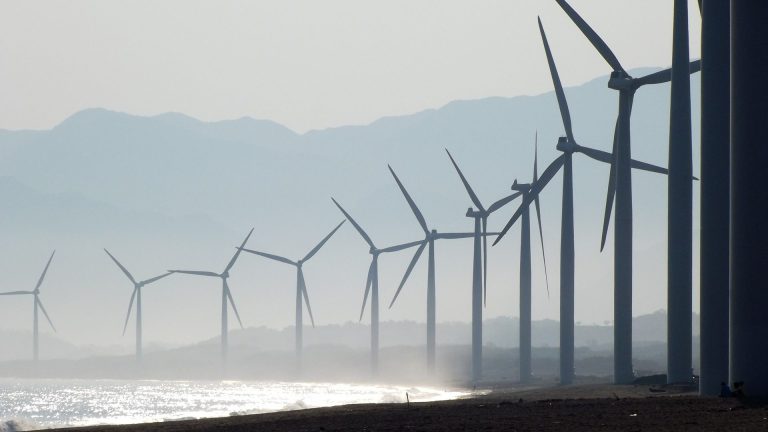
(619, 195)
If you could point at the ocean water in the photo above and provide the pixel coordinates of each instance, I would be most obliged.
(27, 404)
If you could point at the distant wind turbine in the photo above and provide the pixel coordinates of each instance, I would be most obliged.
(372, 283)
(620, 188)
(38, 306)
(429, 240)
(525, 269)
(136, 295)
(568, 146)
(301, 286)
(226, 295)
(480, 280)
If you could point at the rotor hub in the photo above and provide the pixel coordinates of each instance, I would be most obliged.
(620, 80)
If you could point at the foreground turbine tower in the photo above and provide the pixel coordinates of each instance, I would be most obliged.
(38, 305)
(226, 295)
(372, 284)
(749, 197)
(481, 280)
(680, 208)
(430, 236)
(568, 146)
(620, 187)
(137, 297)
(301, 287)
(715, 173)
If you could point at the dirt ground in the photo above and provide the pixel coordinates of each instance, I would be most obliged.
(576, 408)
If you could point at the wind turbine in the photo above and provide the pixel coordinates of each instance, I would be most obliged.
(226, 295)
(372, 283)
(137, 297)
(429, 240)
(568, 146)
(38, 306)
(481, 216)
(620, 187)
(301, 286)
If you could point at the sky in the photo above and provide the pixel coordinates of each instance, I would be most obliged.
(305, 64)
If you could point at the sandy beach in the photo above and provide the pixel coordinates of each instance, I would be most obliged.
(573, 408)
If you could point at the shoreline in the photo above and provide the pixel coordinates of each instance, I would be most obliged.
(576, 408)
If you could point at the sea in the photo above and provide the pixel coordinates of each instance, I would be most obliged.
(30, 404)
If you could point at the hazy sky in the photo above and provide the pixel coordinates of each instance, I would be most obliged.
(306, 64)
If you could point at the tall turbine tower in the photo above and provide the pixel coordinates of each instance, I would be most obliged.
(481, 217)
(430, 236)
(568, 146)
(620, 187)
(680, 208)
(226, 295)
(301, 287)
(38, 305)
(136, 295)
(372, 284)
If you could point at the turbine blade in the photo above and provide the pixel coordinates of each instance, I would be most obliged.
(454, 236)
(156, 278)
(541, 237)
(408, 271)
(611, 187)
(665, 75)
(197, 273)
(412, 204)
(45, 270)
(17, 292)
(130, 308)
(400, 247)
(232, 302)
(306, 298)
(536, 188)
(485, 261)
(561, 101)
(594, 39)
(368, 283)
(125, 271)
(502, 202)
(42, 308)
(270, 256)
(237, 254)
(471, 192)
(359, 229)
(606, 157)
(322, 242)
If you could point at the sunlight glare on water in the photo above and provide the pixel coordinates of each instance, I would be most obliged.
(58, 403)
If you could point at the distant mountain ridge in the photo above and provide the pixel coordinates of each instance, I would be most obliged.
(170, 191)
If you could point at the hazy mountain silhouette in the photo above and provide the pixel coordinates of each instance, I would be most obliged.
(167, 190)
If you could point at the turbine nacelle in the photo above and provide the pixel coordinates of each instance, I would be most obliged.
(567, 146)
(224, 275)
(473, 213)
(620, 80)
(521, 187)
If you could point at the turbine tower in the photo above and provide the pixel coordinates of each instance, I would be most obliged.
(481, 217)
(226, 295)
(38, 305)
(568, 146)
(136, 295)
(430, 236)
(372, 284)
(525, 266)
(620, 188)
(301, 286)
